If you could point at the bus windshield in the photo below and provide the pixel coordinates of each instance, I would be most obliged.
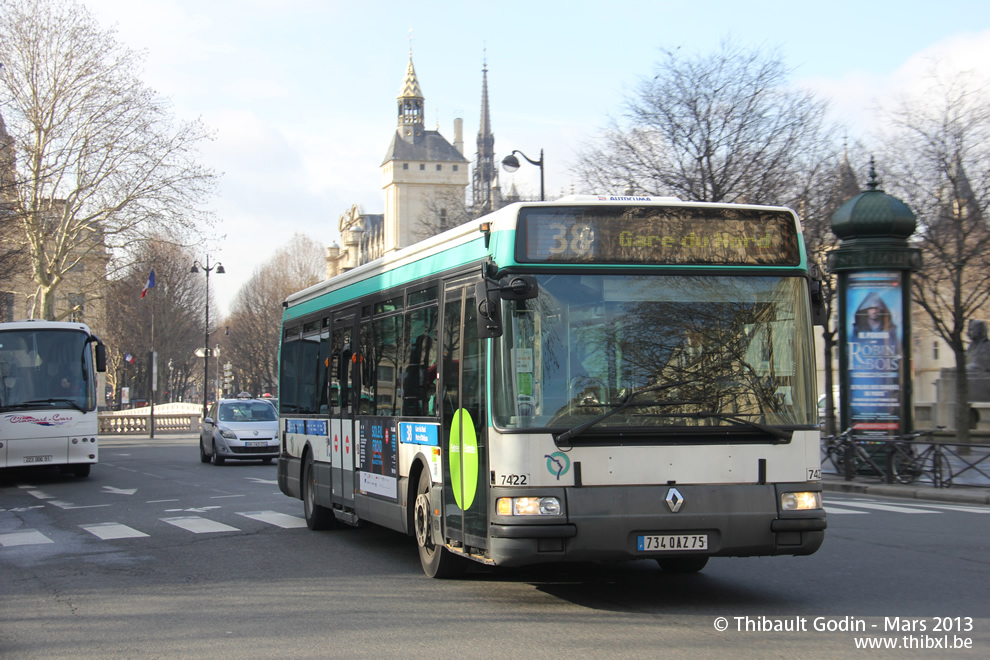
(692, 351)
(46, 369)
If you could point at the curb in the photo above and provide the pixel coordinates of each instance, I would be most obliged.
(958, 495)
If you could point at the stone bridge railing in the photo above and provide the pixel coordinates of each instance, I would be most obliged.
(169, 418)
(141, 424)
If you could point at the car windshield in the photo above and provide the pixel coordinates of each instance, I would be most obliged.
(243, 411)
(705, 351)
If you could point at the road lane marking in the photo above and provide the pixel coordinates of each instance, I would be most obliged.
(283, 520)
(109, 531)
(198, 525)
(69, 505)
(218, 497)
(262, 481)
(30, 537)
(40, 494)
(120, 491)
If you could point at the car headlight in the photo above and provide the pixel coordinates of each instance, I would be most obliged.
(528, 506)
(227, 433)
(801, 501)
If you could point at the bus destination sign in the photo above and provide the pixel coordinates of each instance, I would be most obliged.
(657, 235)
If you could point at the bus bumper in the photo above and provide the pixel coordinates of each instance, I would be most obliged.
(604, 523)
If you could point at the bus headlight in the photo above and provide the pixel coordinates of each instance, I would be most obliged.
(800, 501)
(528, 506)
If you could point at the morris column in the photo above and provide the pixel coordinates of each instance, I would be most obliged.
(874, 263)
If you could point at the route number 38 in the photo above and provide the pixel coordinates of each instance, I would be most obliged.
(576, 240)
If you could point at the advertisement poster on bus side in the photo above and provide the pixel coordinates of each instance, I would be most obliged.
(379, 470)
(875, 348)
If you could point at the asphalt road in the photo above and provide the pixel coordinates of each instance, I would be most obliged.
(158, 555)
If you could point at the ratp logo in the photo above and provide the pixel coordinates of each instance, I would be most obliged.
(558, 464)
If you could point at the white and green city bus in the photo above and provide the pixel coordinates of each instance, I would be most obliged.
(49, 391)
(595, 378)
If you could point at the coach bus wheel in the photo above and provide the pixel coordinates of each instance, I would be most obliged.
(317, 517)
(691, 564)
(81, 470)
(437, 561)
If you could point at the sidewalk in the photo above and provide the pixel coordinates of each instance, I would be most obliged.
(836, 484)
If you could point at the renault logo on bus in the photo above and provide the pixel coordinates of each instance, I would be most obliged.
(674, 500)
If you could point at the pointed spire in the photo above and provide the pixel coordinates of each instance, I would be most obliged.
(410, 86)
(485, 178)
(411, 103)
(873, 183)
(485, 127)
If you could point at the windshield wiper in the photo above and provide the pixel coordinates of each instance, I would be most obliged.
(34, 402)
(581, 428)
(736, 419)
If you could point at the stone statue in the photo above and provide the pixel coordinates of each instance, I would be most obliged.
(978, 353)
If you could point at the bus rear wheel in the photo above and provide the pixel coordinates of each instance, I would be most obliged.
(691, 564)
(437, 561)
(81, 470)
(317, 517)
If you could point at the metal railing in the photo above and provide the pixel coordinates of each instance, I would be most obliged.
(913, 459)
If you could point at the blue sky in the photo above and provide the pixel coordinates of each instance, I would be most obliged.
(302, 93)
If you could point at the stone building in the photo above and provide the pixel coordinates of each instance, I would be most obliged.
(425, 178)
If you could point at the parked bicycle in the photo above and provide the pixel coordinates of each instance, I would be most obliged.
(905, 459)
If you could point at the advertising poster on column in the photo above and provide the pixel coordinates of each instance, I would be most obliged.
(875, 345)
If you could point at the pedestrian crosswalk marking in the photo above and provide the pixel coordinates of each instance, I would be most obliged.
(949, 507)
(109, 531)
(198, 525)
(834, 509)
(884, 507)
(283, 520)
(27, 537)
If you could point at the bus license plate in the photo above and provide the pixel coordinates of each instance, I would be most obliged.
(676, 542)
(37, 459)
(256, 444)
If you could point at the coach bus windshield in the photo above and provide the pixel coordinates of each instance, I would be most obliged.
(46, 369)
(708, 351)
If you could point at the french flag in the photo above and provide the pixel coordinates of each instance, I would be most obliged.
(128, 358)
(150, 284)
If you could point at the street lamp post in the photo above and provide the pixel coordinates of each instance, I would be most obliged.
(510, 163)
(206, 342)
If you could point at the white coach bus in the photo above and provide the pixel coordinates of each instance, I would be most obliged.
(48, 395)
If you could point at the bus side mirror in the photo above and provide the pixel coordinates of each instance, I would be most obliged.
(489, 309)
(816, 291)
(101, 358)
(518, 287)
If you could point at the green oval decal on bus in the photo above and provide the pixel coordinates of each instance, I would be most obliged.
(468, 440)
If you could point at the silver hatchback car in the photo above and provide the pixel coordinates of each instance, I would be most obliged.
(239, 429)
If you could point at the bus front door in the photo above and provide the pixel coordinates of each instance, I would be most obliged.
(342, 409)
(464, 431)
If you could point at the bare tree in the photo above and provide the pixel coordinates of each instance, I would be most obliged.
(255, 319)
(172, 311)
(937, 158)
(101, 161)
(717, 128)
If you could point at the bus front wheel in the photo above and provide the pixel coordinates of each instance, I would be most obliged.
(437, 561)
